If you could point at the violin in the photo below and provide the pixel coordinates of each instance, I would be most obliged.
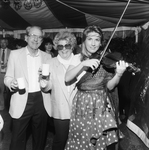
(109, 61)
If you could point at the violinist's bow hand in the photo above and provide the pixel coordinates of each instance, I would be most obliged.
(92, 63)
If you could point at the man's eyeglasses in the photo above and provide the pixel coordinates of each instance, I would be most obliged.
(35, 37)
(67, 46)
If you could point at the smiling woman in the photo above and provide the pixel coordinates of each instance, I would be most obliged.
(64, 43)
(93, 121)
(68, 37)
(61, 95)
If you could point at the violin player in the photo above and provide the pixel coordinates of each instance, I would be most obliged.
(93, 122)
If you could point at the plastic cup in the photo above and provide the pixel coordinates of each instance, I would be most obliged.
(45, 70)
(21, 83)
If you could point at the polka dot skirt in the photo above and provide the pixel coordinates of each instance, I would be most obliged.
(92, 125)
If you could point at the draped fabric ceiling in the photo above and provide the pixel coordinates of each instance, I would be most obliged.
(54, 14)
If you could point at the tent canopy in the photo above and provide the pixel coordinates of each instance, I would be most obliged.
(54, 14)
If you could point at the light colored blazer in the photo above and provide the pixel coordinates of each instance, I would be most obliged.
(61, 100)
(16, 68)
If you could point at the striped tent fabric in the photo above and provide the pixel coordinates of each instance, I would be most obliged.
(54, 14)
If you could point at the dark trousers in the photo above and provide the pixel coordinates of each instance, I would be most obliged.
(7, 97)
(61, 134)
(35, 114)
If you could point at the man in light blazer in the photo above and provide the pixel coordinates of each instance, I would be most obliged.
(28, 104)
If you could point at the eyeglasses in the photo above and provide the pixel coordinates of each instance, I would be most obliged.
(67, 46)
(36, 37)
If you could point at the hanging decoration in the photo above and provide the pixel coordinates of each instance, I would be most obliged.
(37, 3)
(28, 4)
(17, 4)
(4, 3)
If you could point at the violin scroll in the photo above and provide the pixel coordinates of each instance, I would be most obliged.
(133, 68)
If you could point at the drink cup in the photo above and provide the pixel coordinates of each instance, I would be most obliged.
(45, 70)
(21, 83)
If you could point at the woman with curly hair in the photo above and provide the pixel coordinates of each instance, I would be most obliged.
(61, 95)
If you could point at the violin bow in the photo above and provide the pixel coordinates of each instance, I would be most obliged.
(114, 31)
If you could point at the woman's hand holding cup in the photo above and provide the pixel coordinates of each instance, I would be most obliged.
(45, 71)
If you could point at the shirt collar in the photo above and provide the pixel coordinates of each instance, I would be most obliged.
(4, 48)
(28, 53)
(64, 61)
